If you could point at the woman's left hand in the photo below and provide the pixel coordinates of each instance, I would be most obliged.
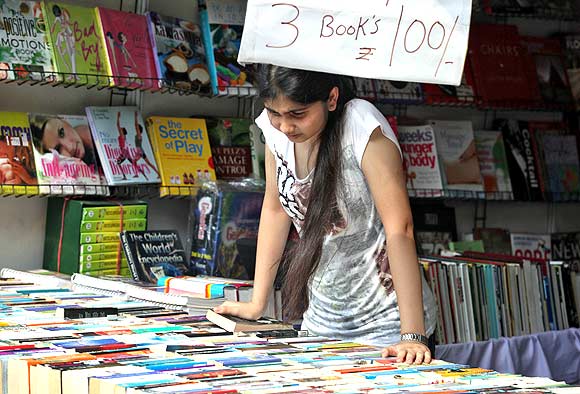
(409, 352)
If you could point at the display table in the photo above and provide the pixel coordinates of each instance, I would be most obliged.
(553, 354)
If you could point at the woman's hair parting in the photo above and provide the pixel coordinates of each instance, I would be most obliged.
(308, 87)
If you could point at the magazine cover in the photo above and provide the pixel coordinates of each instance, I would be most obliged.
(77, 44)
(17, 169)
(123, 145)
(24, 52)
(231, 147)
(493, 162)
(180, 54)
(65, 155)
(183, 153)
(537, 246)
(128, 46)
(222, 23)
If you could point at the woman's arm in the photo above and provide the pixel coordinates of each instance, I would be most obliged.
(383, 169)
(272, 236)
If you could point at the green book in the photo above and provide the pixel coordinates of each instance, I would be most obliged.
(114, 212)
(99, 247)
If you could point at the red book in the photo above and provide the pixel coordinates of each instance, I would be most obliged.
(500, 66)
(463, 94)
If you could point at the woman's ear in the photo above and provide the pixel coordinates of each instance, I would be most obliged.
(332, 99)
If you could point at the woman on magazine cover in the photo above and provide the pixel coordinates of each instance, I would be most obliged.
(334, 170)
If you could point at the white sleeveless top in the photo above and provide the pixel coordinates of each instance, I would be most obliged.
(351, 294)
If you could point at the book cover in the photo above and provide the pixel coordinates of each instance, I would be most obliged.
(77, 44)
(547, 57)
(180, 54)
(24, 49)
(495, 240)
(237, 324)
(449, 94)
(434, 226)
(182, 150)
(17, 168)
(154, 254)
(231, 147)
(224, 232)
(222, 23)
(258, 146)
(128, 47)
(522, 164)
(571, 47)
(398, 91)
(500, 65)
(493, 163)
(458, 156)
(123, 145)
(420, 160)
(537, 246)
(65, 155)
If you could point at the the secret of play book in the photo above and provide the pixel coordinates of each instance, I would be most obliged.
(154, 254)
(123, 145)
(182, 150)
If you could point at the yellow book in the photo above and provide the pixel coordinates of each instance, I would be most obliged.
(183, 153)
(17, 167)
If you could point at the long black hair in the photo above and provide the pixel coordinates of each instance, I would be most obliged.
(308, 87)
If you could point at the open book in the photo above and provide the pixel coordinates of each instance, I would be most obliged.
(237, 324)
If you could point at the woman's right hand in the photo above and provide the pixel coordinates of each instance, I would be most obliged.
(245, 310)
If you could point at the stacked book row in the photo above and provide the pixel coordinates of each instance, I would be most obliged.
(55, 339)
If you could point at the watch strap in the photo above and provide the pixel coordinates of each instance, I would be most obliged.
(414, 337)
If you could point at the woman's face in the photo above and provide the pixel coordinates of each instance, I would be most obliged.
(60, 136)
(299, 122)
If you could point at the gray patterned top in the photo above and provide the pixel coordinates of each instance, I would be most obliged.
(351, 293)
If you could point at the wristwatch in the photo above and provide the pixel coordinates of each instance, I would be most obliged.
(414, 337)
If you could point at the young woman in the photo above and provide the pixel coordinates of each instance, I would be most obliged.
(334, 170)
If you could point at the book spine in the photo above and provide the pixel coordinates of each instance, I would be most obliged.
(97, 238)
(129, 255)
(113, 225)
(151, 31)
(103, 43)
(207, 44)
(87, 249)
(114, 212)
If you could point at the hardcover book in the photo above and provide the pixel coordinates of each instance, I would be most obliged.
(180, 54)
(17, 168)
(420, 160)
(458, 156)
(222, 23)
(65, 156)
(77, 44)
(493, 163)
(154, 254)
(130, 57)
(452, 95)
(123, 145)
(182, 150)
(24, 49)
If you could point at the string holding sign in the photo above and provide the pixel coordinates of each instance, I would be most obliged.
(405, 40)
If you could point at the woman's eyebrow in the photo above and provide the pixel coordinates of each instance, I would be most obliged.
(300, 109)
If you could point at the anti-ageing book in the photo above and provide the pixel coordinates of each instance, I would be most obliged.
(182, 150)
(24, 49)
(123, 145)
(154, 254)
(420, 160)
(180, 54)
(65, 156)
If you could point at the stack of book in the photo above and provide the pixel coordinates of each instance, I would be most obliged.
(87, 240)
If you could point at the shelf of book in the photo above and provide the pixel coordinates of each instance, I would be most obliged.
(101, 81)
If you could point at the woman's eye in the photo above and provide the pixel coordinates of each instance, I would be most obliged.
(298, 114)
(61, 132)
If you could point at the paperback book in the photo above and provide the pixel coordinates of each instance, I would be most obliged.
(182, 150)
(230, 147)
(65, 156)
(237, 324)
(123, 145)
(493, 163)
(180, 55)
(24, 49)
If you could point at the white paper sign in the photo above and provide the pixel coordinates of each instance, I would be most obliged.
(403, 40)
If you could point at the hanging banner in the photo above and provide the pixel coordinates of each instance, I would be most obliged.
(400, 40)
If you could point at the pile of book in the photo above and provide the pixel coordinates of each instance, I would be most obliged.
(59, 340)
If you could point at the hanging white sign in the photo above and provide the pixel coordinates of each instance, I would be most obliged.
(401, 40)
